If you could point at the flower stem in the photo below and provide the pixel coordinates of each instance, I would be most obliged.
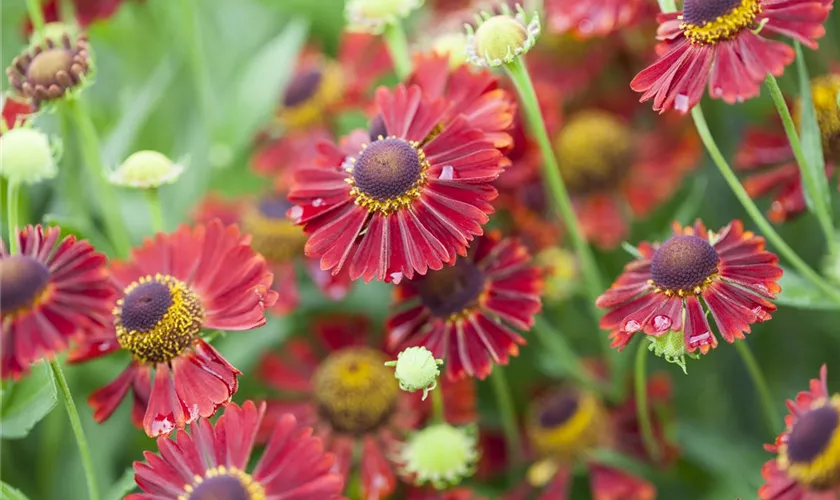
(76, 424)
(36, 15)
(153, 197)
(438, 409)
(821, 210)
(398, 48)
(642, 413)
(770, 414)
(12, 206)
(508, 414)
(195, 56)
(89, 145)
(766, 228)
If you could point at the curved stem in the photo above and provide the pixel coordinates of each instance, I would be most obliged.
(508, 414)
(821, 210)
(766, 228)
(36, 15)
(109, 205)
(398, 48)
(438, 409)
(774, 422)
(153, 197)
(79, 433)
(12, 205)
(640, 381)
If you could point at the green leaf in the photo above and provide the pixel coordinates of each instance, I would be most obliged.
(122, 487)
(817, 193)
(632, 250)
(9, 493)
(26, 402)
(801, 294)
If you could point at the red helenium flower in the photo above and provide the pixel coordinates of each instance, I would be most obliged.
(807, 466)
(730, 270)
(589, 18)
(87, 11)
(409, 202)
(211, 462)
(51, 292)
(174, 286)
(715, 41)
(14, 112)
(464, 313)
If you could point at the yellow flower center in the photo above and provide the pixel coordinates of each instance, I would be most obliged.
(565, 424)
(825, 91)
(274, 235)
(708, 22)
(354, 390)
(309, 96)
(594, 151)
(683, 265)
(158, 318)
(811, 454)
(223, 483)
(388, 175)
(24, 282)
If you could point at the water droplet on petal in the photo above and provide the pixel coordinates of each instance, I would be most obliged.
(661, 323)
(631, 326)
(681, 103)
(318, 202)
(717, 92)
(295, 213)
(193, 411)
(759, 312)
(396, 278)
(162, 425)
(447, 173)
(739, 99)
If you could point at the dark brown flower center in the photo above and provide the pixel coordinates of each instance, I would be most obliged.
(22, 279)
(594, 150)
(387, 169)
(302, 87)
(44, 66)
(354, 391)
(274, 235)
(811, 434)
(683, 263)
(558, 410)
(700, 12)
(158, 318)
(220, 488)
(452, 289)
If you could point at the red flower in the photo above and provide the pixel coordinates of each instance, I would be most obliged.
(174, 286)
(456, 493)
(87, 11)
(589, 18)
(729, 270)
(52, 292)
(406, 203)
(462, 313)
(768, 159)
(279, 157)
(337, 382)
(14, 113)
(211, 462)
(278, 239)
(807, 466)
(715, 41)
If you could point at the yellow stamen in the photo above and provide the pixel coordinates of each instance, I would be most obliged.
(725, 26)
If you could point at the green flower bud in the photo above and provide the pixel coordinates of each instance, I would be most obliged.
(440, 455)
(671, 346)
(27, 156)
(500, 39)
(372, 16)
(452, 46)
(416, 369)
(146, 169)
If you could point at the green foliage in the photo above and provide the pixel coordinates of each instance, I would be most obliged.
(799, 293)
(26, 402)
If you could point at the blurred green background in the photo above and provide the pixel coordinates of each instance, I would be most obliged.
(150, 94)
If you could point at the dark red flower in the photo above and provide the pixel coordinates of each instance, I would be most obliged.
(464, 313)
(87, 11)
(730, 270)
(51, 292)
(717, 41)
(456, 493)
(807, 466)
(335, 380)
(174, 286)
(590, 18)
(767, 158)
(409, 202)
(211, 462)
(279, 157)
(14, 113)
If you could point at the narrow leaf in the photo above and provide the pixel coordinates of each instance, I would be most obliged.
(27, 402)
(9, 493)
(801, 294)
(632, 250)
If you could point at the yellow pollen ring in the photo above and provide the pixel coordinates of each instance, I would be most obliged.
(576, 435)
(823, 471)
(277, 239)
(173, 333)
(697, 290)
(391, 205)
(254, 489)
(314, 109)
(725, 26)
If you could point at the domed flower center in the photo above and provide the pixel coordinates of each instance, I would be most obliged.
(388, 175)
(46, 65)
(594, 151)
(158, 318)
(23, 281)
(222, 483)
(565, 423)
(683, 265)
(354, 390)
(453, 289)
(274, 235)
(811, 455)
(711, 21)
(824, 90)
(302, 87)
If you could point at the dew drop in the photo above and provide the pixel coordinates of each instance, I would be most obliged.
(318, 202)
(162, 425)
(396, 278)
(759, 312)
(295, 213)
(661, 323)
(681, 103)
(447, 174)
(631, 326)
(717, 92)
(193, 411)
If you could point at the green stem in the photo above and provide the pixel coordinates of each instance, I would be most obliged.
(821, 210)
(438, 410)
(12, 206)
(36, 15)
(153, 197)
(398, 48)
(645, 426)
(109, 205)
(508, 414)
(195, 55)
(767, 401)
(76, 424)
(766, 228)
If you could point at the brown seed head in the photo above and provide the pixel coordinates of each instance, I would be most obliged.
(50, 69)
